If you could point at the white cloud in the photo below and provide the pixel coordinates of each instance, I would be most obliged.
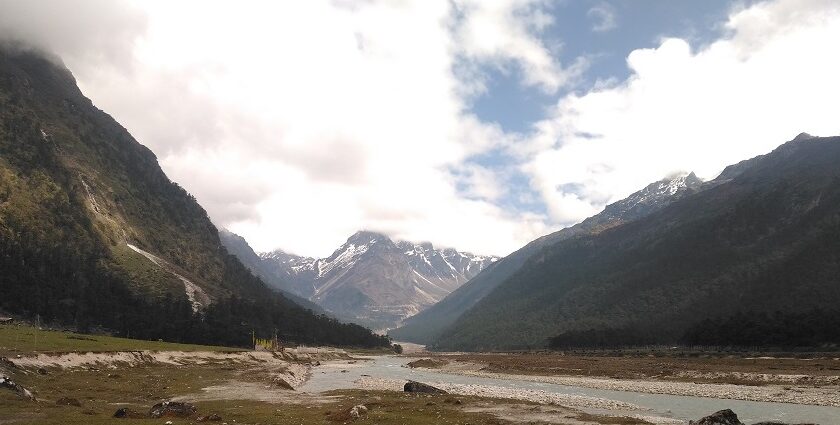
(773, 76)
(298, 123)
(508, 32)
(604, 16)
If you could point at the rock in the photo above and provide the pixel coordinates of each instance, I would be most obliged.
(210, 418)
(174, 409)
(8, 384)
(280, 382)
(68, 401)
(358, 411)
(126, 413)
(723, 417)
(418, 387)
(6, 363)
(42, 371)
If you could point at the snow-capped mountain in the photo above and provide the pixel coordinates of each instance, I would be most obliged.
(376, 281)
(652, 197)
(428, 325)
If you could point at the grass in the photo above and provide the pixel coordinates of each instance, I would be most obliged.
(104, 388)
(15, 339)
(101, 393)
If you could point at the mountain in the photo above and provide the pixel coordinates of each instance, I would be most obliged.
(760, 240)
(427, 325)
(238, 246)
(373, 280)
(94, 234)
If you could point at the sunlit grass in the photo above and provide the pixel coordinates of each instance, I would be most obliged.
(17, 339)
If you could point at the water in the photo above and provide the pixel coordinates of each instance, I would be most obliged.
(672, 406)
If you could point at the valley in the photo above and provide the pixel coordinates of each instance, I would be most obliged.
(322, 385)
(654, 273)
(370, 279)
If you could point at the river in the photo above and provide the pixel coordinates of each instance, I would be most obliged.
(684, 408)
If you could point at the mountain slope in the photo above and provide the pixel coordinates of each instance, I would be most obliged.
(238, 246)
(376, 281)
(426, 326)
(761, 240)
(93, 233)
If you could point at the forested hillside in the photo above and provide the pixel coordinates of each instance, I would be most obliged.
(763, 239)
(427, 326)
(93, 233)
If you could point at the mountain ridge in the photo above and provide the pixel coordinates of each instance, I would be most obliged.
(374, 280)
(427, 325)
(757, 240)
(94, 234)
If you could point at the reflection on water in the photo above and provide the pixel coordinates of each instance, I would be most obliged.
(681, 407)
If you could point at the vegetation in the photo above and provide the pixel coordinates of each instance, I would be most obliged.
(763, 241)
(102, 392)
(21, 338)
(76, 188)
(815, 328)
(601, 338)
(428, 325)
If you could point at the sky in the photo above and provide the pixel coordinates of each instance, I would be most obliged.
(479, 125)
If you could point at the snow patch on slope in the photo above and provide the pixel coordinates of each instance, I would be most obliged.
(197, 297)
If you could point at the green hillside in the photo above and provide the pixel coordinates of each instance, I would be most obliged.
(93, 233)
(765, 241)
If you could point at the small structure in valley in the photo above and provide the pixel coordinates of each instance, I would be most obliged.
(271, 344)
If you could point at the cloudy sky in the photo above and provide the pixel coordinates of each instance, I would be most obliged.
(474, 124)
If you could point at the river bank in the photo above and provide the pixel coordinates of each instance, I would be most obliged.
(627, 398)
(804, 369)
(817, 395)
(243, 387)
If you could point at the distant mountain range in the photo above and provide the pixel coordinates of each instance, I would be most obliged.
(760, 241)
(370, 279)
(94, 234)
(425, 327)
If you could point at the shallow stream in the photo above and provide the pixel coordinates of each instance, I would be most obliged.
(326, 378)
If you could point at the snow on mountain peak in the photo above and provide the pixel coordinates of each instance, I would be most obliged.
(371, 277)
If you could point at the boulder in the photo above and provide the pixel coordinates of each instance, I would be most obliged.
(126, 413)
(8, 384)
(174, 409)
(280, 382)
(68, 401)
(419, 387)
(358, 411)
(722, 417)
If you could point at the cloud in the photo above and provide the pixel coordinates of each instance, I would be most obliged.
(298, 123)
(772, 76)
(92, 31)
(604, 16)
(508, 32)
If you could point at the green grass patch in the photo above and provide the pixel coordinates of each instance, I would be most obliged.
(16, 339)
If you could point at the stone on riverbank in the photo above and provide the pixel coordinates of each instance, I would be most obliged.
(419, 387)
(172, 409)
(722, 417)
